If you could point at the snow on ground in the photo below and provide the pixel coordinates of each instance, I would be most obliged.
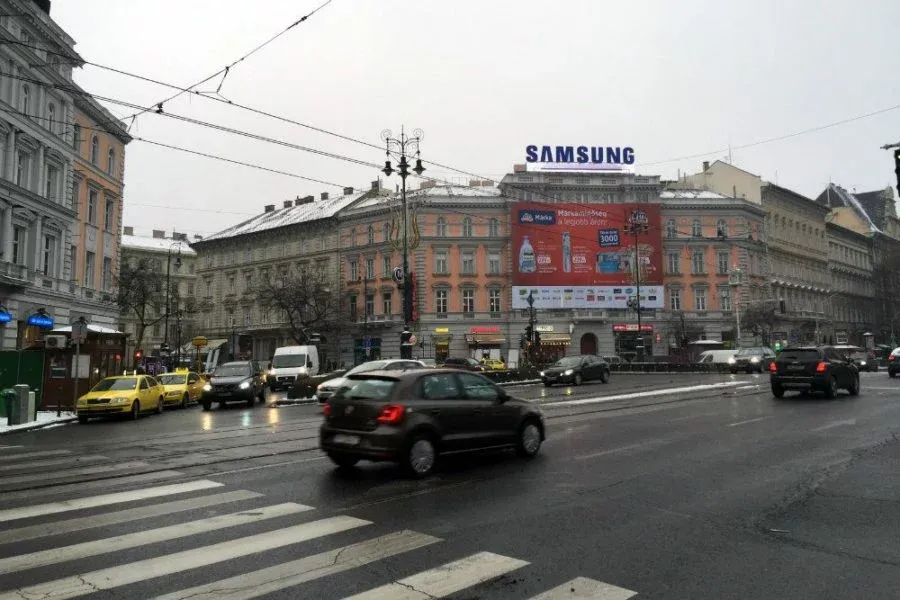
(44, 418)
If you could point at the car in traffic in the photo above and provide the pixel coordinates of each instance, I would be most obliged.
(813, 369)
(467, 364)
(893, 361)
(327, 389)
(575, 370)
(493, 364)
(751, 360)
(237, 381)
(863, 360)
(412, 417)
(181, 387)
(121, 395)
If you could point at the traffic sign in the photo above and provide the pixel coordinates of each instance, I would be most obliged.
(199, 341)
(79, 331)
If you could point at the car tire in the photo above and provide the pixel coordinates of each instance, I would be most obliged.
(184, 401)
(251, 401)
(83, 419)
(206, 404)
(604, 376)
(891, 373)
(135, 410)
(159, 406)
(831, 390)
(342, 461)
(578, 379)
(854, 386)
(733, 371)
(778, 391)
(420, 456)
(528, 443)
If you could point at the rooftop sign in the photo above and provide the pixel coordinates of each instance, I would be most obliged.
(578, 158)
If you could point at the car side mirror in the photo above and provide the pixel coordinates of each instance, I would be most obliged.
(502, 396)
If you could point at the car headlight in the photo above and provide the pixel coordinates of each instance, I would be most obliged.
(862, 363)
(118, 401)
(569, 372)
(542, 373)
(207, 388)
(244, 385)
(271, 371)
(755, 359)
(731, 360)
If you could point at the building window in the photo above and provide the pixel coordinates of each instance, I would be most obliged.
(722, 259)
(354, 270)
(468, 303)
(494, 228)
(674, 299)
(248, 283)
(208, 288)
(18, 250)
(190, 289)
(354, 316)
(110, 211)
(468, 262)
(722, 228)
(51, 117)
(95, 150)
(76, 138)
(370, 306)
(724, 299)
(111, 163)
(50, 183)
(26, 101)
(700, 299)
(674, 263)
(671, 232)
(440, 262)
(49, 244)
(467, 227)
(386, 266)
(20, 170)
(386, 232)
(370, 268)
(106, 280)
(92, 207)
(494, 262)
(89, 259)
(440, 303)
(353, 238)
(386, 304)
(441, 228)
(696, 229)
(698, 266)
(494, 301)
(370, 235)
(231, 286)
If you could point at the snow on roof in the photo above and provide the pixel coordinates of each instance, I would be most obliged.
(137, 242)
(848, 199)
(303, 213)
(691, 194)
(444, 191)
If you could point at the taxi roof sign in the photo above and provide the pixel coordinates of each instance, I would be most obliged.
(199, 341)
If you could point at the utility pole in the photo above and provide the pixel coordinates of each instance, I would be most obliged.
(638, 224)
(734, 281)
(404, 145)
(164, 347)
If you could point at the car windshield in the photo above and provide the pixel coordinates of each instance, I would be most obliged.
(227, 370)
(569, 361)
(369, 389)
(859, 355)
(749, 352)
(287, 361)
(172, 379)
(372, 365)
(799, 355)
(122, 383)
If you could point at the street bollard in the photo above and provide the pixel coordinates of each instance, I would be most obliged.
(19, 413)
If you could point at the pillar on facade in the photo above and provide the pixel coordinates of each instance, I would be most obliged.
(11, 155)
(8, 234)
(39, 244)
(39, 189)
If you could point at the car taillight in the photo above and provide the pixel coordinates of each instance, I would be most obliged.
(773, 367)
(391, 414)
(891, 358)
(821, 367)
(326, 410)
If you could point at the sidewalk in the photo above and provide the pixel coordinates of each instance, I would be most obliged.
(44, 419)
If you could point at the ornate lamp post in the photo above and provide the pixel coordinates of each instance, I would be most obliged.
(165, 345)
(638, 224)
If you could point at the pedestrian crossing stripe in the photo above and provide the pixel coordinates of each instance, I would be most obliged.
(52, 462)
(69, 473)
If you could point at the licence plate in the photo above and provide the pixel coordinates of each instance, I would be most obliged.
(224, 393)
(346, 440)
(796, 368)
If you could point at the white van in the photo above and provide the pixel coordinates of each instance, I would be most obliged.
(291, 362)
(715, 357)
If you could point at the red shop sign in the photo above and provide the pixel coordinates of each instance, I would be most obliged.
(485, 329)
(631, 327)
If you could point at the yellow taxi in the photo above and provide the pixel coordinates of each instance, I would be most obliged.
(181, 387)
(492, 364)
(121, 395)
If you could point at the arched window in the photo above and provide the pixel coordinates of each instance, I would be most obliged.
(76, 137)
(370, 235)
(95, 150)
(467, 227)
(51, 117)
(111, 162)
(441, 227)
(722, 228)
(386, 231)
(494, 228)
(671, 232)
(696, 228)
(26, 100)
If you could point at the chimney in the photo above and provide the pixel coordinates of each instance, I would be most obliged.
(376, 185)
(519, 168)
(348, 191)
(159, 234)
(129, 230)
(324, 195)
(197, 238)
(705, 165)
(305, 200)
(288, 203)
(269, 208)
(179, 236)
(44, 5)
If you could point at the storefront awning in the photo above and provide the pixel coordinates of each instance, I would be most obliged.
(485, 339)
(555, 339)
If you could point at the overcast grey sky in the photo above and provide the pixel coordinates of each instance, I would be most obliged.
(485, 78)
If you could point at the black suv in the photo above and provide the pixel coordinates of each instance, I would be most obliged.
(239, 381)
(411, 417)
(575, 369)
(813, 369)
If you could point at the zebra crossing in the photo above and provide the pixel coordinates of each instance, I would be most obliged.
(311, 550)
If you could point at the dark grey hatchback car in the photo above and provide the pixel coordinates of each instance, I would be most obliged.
(410, 418)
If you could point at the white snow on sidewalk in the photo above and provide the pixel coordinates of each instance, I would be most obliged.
(45, 418)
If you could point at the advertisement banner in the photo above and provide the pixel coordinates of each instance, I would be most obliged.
(584, 256)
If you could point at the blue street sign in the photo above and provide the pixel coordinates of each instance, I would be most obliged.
(5, 317)
(42, 321)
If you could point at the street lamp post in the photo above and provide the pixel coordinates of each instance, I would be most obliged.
(638, 224)
(165, 344)
(404, 145)
(734, 281)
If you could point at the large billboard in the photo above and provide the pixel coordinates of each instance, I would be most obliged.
(583, 256)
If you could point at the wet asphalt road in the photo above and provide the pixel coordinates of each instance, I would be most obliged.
(710, 492)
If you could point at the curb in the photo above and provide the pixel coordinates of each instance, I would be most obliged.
(523, 382)
(38, 426)
(294, 402)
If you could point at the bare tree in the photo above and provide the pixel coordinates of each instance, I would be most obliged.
(886, 279)
(759, 319)
(306, 300)
(682, 329)
(141, 295)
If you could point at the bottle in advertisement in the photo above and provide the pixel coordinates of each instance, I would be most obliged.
(567, 252)
(527, 261)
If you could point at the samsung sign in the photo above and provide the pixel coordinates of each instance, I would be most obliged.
(579, 158)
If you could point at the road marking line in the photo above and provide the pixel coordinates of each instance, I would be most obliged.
(288, 574)
(756, 420)
(834, 424)
(43, 558)
(648, 444)
(883, 389)
(748, 387)
(37, 510)
(695, 416)
(123, 516)
(444, 580)
(273, 465)
(647, 394)
(582, 588)
(70, 489)
(10, 447)
(41, 453)
(52, 462)
(151, 568)
(73, 472)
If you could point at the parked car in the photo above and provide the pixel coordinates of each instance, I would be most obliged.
(893, 362)
(614, 360)
(751, 360)
(181, 387)
(715, 357)
(863, 360)
(328, 388)
(575, 370)
(467, 364)
(237, 381)
(493, 364)
(123, 395)
(813, 369)
(412, 417)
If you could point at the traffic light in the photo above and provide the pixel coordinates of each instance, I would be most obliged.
(138, 355)
(529, 333)
(537, 339)
(405, 346)
(897, 166)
